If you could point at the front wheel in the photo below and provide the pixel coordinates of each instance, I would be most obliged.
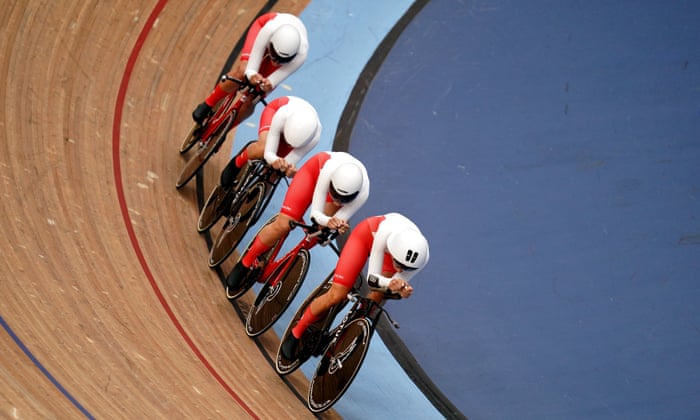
(214, 208)
(236, 226)
(277, 294)
(339, 365)
(191, 138)
(204, 152)
(219, 201)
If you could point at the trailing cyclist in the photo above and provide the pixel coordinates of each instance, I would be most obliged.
(276, 45)
(333, 184)
(397, 251)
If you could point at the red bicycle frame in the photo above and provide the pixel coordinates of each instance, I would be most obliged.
(237, 101)
(307, 242)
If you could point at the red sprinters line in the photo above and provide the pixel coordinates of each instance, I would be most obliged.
(119, 106)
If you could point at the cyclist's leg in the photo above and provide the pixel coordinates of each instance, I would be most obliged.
(295, 204)
(223, 88)
(313, 340)
(230, 172)
(256, 150)
(290, 346)
(319, 307)
(296, 201)
(271, 232)
(240, 279)
(377, 297)
(350, 263)
(315, 311)
(252, 151)
(226, 86)
(267, 238)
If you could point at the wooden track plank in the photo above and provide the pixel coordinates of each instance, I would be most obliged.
(111, 328)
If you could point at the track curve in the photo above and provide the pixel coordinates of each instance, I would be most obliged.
(105, 285)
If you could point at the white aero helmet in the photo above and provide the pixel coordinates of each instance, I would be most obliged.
(346, 182)
(408, 248)
(284, 43)
(300, 127)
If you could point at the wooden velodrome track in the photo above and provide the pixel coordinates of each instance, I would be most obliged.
(108, 306)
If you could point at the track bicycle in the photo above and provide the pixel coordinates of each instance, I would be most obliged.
(283, 277)
(220, 200)
(342, 348)
(247, 205)
(211, 135)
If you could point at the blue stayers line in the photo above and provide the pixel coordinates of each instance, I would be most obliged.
(43, 369)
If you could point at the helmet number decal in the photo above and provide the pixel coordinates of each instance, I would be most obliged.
(411, 256)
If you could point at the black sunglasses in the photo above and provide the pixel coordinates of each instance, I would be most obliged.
(274, 56)
(402, 266)
(341, 198)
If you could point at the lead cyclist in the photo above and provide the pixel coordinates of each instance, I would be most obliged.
(397, 251)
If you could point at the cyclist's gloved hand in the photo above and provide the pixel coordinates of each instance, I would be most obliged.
(280, 165)
(291, 170)
(338, 224)
(262, 82)
(255, 79)
(400, 287)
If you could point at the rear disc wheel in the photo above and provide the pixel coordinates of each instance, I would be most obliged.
(279, 291)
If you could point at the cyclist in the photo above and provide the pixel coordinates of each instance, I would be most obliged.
(334, 184)
(289, 128)
(276, 45)
(397, 251)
